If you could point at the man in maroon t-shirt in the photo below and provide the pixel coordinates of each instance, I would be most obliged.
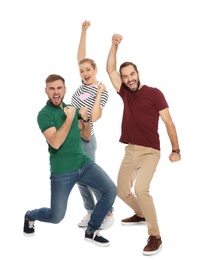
(143, 106)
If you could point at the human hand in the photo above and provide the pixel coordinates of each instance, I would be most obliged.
(116, 39)
(101, 87)
(70, 112)
(83, 111)
(85, 25)
(175, 157)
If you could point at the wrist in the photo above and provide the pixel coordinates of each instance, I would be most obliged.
(86, 121)
(176, 151)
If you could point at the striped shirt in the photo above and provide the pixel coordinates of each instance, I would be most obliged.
(85, 96)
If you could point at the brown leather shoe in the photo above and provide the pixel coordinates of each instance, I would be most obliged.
(132, 220)
(153, 245)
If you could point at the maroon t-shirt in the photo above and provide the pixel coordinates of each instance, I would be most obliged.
(141, 116)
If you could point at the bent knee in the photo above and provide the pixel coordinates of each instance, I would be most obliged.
(57, 219)
(141, 193)
(123, 195)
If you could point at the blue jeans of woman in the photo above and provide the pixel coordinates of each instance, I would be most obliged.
(91, 175)
(86, 193)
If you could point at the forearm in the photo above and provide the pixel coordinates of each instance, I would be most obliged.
(171, 130)
(86, 131)
(111, 68)
(61, 134)
(81, 54)
(96, 110)
(111, 59)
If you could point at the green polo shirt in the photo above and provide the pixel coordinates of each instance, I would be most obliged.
(70, 156)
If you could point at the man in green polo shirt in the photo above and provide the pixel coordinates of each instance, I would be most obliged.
(63, 126)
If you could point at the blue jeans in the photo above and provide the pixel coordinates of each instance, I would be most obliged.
(91, 175)
(86, 193)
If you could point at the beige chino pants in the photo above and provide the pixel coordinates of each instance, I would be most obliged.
(136, 171)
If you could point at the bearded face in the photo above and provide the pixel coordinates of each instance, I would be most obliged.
(133, 86)
(130, 78)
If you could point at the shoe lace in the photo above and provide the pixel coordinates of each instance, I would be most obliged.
(96, 233)
(134, 218)
(151, 240)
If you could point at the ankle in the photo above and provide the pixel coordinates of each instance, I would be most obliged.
(110, 214)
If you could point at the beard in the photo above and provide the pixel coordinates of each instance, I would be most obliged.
(56, 104)
(134, 90)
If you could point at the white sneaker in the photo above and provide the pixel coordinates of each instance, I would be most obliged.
(85, 220)
(107, 222)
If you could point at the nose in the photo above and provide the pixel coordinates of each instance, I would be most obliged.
(56, 92)
(130, 78)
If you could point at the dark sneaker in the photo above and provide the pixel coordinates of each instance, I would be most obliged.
(133, 220)
(96, 238)
(28, 226)
(153, 245)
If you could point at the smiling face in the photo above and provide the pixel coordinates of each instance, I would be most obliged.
(55, 91)
(130, 77)
(88, 72)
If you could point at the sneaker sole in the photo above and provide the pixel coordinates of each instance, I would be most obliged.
(28, 234)
(97, 243)
(81, 225)
(133, 223)
(152, 252)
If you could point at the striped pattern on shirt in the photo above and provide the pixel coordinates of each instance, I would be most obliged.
(85, 96)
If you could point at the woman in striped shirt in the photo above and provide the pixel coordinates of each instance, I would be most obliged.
(94, 96)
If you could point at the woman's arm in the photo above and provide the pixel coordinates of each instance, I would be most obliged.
(81, 54)
(97, 109)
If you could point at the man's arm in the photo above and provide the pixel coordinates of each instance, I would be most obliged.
(111, 62)
(81, 54)
(171, 130)
(56, 137)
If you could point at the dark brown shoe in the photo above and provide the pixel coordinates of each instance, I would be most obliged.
(132, 220)
(153, 245)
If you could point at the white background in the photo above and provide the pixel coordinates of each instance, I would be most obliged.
(41, 37)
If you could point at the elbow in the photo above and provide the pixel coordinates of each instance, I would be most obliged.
(86, 135)
(54, 145)
(108, 71)
(95, 118)
(86, 138)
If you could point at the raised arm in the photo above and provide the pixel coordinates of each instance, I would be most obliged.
(111, 62)
(81, 54)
